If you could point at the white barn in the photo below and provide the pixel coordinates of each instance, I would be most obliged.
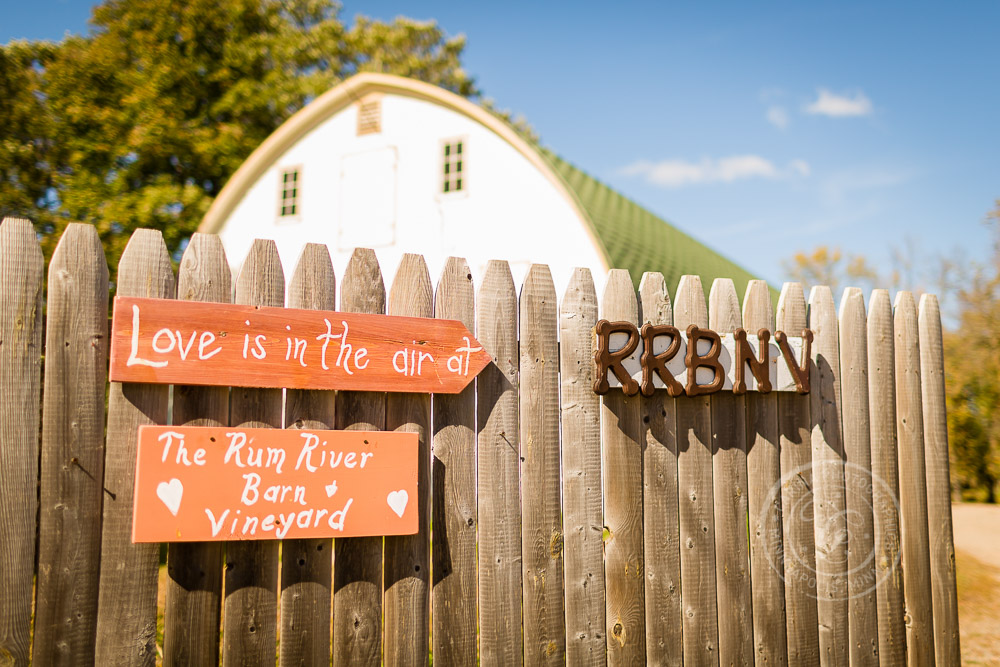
(400, 166)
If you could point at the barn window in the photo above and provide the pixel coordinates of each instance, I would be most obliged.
(290, 183)
(370, 117)
(454, 172)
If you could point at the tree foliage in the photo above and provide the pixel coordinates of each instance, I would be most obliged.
(141, 122)
(972, 357)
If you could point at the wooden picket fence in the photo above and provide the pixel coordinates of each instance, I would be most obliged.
(556, 527)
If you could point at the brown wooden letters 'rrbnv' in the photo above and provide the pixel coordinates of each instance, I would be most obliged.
(653, 364)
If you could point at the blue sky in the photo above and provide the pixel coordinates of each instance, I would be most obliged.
(761, 130)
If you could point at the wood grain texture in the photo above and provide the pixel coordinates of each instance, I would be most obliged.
(194, 570)
(622, 437)
(729, 463)
(21, 274)
(858, 482)
(407, 557)
(770, 641)
(583, 517)
(541, 513)
(307, 565)
(664, 644)
(695, 499)
(72, 465)
(829, 502)
(454, 478)
(885, 476)
(126, 615)
(357, 562)
(799, 553)
(250, 607)
(942, 542)
(912, 485)
(498, 446)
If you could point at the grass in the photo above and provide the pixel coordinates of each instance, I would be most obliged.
(978, 610)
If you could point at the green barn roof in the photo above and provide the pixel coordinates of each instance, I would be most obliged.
(637, 240)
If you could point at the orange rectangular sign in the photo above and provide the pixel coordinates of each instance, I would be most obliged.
(224, 483)
(190, 342)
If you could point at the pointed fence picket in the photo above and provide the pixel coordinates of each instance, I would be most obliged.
(567, 527)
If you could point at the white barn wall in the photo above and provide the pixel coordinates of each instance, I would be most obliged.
(508, 209)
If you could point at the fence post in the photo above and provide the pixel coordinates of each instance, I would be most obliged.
(357, 561)
(72, 470)
(307, 564)
(770, 640)
(621, 438)
(454, 491)
(541, 525)
(407, 557)
(664, 644)
(21, 273)
(942, 544)
(885, 472)
(194, 569)
(858, 481)
(913, 485)
(799, 553)
(583, 517)
(695, 499)
(250, 607)
(498, 448)
(729, 462)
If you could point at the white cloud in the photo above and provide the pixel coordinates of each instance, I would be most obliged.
(677, 173)
(777, 116)
(840, 106)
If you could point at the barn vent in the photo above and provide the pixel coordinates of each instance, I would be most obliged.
(370, 117)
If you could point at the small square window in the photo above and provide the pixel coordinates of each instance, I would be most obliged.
(289, 193)
(452, 176)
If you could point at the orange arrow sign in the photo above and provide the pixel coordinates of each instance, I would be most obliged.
(227, 483)
(190, 342)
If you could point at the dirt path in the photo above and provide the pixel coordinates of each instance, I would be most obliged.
(977, 562)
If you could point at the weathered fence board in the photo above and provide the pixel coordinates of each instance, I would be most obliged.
(885, 474)
(942, 544)
(622, 436)
(407, 557)
(695, 499)
(764, 499)
(194, 569)
(498, 448)
(858, 481)
(307, 565)
(912, 485)
(583, 517)
(541, 521)
(250, 607)
(799, 553)
(126, 614)
(664, 644)
(21, 274)
(454, 479)
(729, 463)
(72, 464)
(357, 561)
(829, 505)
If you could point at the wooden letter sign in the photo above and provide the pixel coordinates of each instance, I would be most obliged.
(219, 483)
(189, 342)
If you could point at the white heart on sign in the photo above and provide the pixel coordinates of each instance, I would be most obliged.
(397, 501)
(170, 493)
(331, 488)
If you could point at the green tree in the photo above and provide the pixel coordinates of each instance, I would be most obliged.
(972, 377)
(141, 122)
